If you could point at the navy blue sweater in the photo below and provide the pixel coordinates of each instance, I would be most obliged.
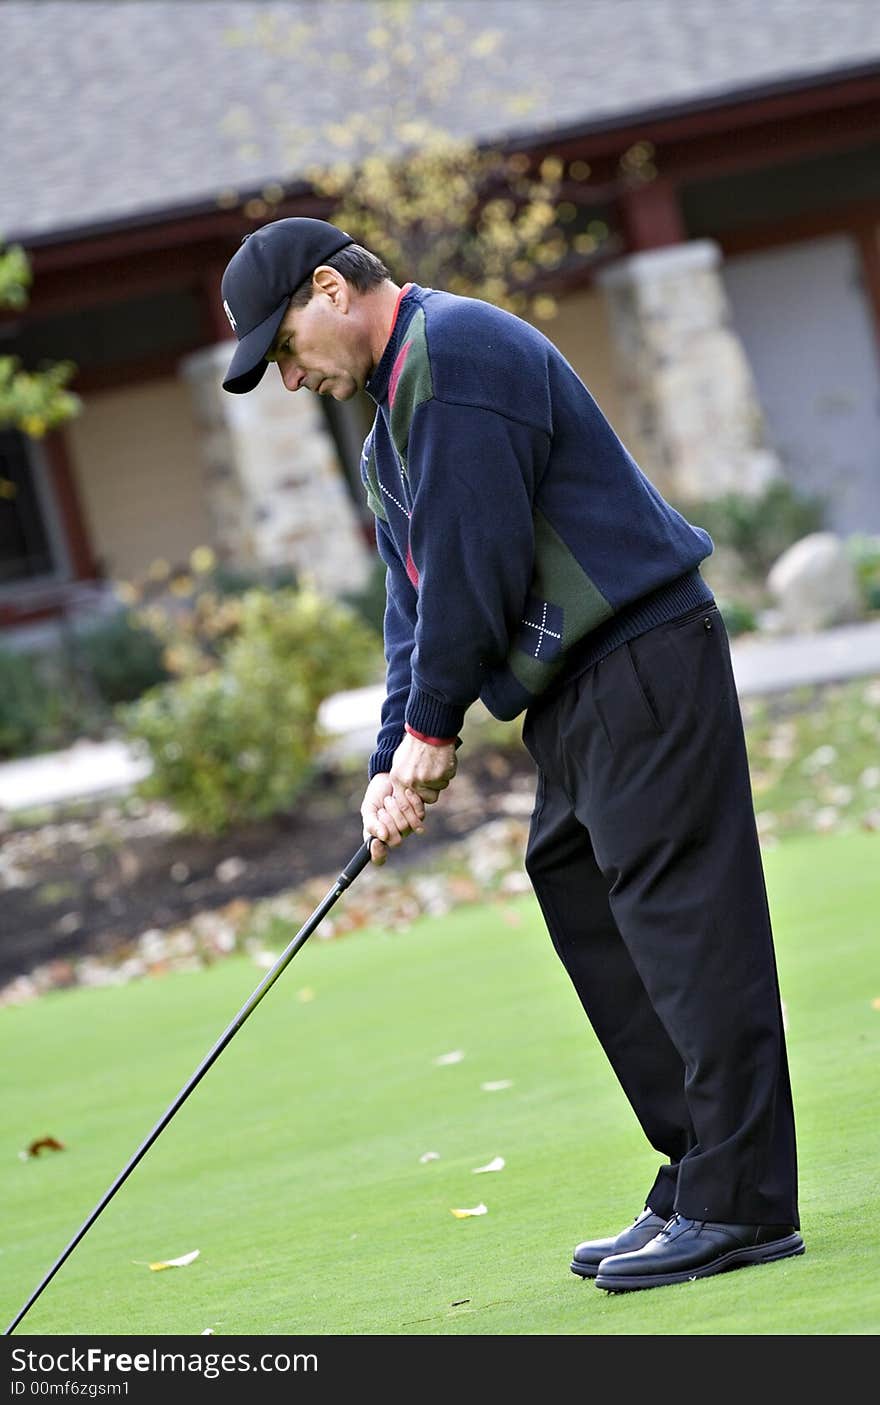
(521, 539)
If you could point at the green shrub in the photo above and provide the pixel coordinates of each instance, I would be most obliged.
(240, 741)
(31, 711)
(761, 527)
(738, 617)
(47, 701)
(221, 753)
(122, 657)
(864, 552)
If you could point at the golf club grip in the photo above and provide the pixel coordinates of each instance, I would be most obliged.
(355, 865)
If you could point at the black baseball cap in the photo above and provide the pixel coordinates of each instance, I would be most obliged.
(259, 281)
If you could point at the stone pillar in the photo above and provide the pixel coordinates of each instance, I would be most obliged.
(693, 420)
(276, 491)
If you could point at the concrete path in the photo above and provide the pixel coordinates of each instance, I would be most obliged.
(771, 665)
(84, 770)
(760, 665)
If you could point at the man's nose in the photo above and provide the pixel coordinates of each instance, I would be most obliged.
(291, 375)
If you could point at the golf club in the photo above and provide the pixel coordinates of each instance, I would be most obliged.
(346, 877)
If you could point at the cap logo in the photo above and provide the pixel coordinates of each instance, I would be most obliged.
(228, 310)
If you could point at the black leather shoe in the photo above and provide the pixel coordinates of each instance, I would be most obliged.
(686, 1249)
(589, 1255)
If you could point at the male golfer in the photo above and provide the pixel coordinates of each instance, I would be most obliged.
(531, 564)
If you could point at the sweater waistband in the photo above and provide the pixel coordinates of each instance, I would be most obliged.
(668, 602)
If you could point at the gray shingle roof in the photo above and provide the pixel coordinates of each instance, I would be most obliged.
(112, 109)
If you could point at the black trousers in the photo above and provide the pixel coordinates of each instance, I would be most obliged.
(643, 853)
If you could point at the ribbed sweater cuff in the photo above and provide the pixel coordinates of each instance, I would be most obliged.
(434, 718)
(381, 759)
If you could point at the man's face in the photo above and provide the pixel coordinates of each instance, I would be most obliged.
(322, 346)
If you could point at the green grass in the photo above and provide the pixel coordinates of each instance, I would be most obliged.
(294, 1167)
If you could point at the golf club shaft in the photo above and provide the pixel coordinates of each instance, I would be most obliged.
(346, 877)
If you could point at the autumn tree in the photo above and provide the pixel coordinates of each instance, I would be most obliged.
(30, 401)
(473, 217)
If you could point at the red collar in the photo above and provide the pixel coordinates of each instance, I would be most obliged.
(400, 296)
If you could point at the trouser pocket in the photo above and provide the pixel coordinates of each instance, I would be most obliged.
(642, 688)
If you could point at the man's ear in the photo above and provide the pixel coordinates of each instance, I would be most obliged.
(326, 280)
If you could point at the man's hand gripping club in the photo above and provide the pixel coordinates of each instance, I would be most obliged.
(394, 803)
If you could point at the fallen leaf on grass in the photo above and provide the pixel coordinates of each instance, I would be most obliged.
(875, 1004)
(42, 1144)
(497, 1164)
(455, 1056)
(429, 1156)
(176, 1263)
(497, 1085)
(480, 1209)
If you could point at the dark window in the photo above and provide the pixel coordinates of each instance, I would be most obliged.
(25, 549)
(113, 333)
(801, 187)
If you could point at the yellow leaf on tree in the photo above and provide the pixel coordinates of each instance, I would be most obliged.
(202, 560)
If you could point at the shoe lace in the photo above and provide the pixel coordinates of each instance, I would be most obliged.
(675, 1220)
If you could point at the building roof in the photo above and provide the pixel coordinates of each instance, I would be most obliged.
(119, 110)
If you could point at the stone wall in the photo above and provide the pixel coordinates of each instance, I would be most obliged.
(276, 492)
(691, 416)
